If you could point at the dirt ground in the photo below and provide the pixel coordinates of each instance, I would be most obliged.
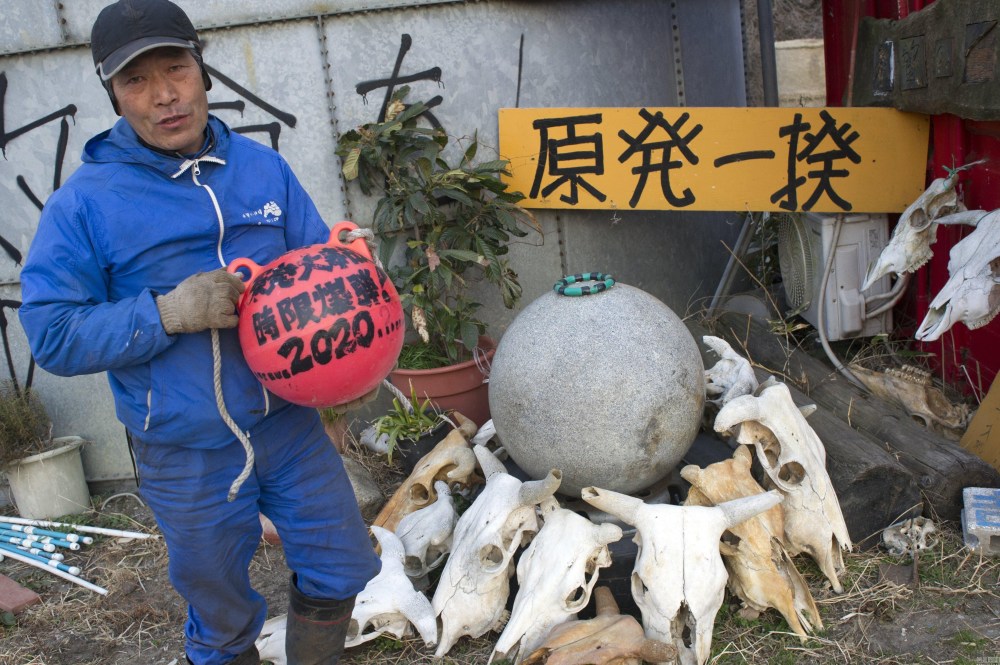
(952, 617)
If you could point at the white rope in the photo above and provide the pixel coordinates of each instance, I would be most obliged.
(399, 394)
(482, 363)
(244, 437)
(220, 403)
(369, 238)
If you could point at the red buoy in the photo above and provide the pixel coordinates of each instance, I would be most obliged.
(321, 325)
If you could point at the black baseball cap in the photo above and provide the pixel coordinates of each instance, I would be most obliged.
(129, 28)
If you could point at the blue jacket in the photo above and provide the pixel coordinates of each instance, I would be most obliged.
(132, 223)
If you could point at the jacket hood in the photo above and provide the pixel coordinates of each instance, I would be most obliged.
(121, 144)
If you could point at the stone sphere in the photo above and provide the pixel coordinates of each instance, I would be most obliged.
(608, 387)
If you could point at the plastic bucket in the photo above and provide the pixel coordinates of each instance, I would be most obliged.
(50, 484)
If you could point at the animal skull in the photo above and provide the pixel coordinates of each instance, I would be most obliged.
(474, 584)
(915, 232)
(913, 389)
(794, 459)
(389, 603)
(271, 642)
(972, 293)
(679, 578)
(609, 638)
(731, 376)
(761, 572)
(426, 533)
(450, 460)
(555, 575)
(909, 536)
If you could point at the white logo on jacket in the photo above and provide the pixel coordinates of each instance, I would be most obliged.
(270, 209)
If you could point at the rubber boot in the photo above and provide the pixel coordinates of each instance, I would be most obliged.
(248, 657)
(316, 628)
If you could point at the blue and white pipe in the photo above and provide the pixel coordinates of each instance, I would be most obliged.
(35, 538)
(72, 570)
(77, 527)
(55, 556)
(23, 558)
(13, 540)
(71, 537)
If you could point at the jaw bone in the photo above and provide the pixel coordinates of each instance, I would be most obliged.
(555, 576)
(913, 389)
(475, 581)
(679, 579)
(972, 293)
(794, 459)
(761, 572)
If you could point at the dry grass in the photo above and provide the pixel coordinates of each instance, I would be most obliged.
(24, 424)
(953, 579)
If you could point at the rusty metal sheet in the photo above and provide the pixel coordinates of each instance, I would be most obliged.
(28, 25)
(80, 14)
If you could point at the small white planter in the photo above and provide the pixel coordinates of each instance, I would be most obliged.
(50, 484)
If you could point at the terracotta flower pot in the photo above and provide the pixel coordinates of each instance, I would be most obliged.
(462, 387)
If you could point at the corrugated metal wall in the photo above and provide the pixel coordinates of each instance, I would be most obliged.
(294, 74)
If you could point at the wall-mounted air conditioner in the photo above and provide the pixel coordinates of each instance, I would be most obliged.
(805, 241)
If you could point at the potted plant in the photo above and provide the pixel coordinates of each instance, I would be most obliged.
(45, 475)
(452, 219)
(412, 426)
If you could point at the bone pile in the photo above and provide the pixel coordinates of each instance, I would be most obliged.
(730, 533)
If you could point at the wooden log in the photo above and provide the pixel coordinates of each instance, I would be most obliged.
(942, 468)
(873, 487)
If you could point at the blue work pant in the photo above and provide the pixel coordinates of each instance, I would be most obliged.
(298, 481)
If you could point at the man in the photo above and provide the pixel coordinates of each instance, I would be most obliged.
(126, 275)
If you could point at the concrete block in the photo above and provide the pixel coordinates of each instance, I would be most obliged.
(981, 519)
(801, 71)
(15, 598)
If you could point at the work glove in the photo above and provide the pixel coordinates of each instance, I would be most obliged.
(202, 301)
(355, 404)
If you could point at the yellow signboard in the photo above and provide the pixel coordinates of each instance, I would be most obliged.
(826, 160)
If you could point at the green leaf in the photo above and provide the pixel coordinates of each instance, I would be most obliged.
(455, 195)
(459, 254)
(470, 334)
(350, 167)
(470, 152)
(491, 167)
(419, 203)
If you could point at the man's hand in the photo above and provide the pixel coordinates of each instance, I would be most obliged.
(202, 301)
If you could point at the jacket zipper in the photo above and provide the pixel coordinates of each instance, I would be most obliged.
(195, 172)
